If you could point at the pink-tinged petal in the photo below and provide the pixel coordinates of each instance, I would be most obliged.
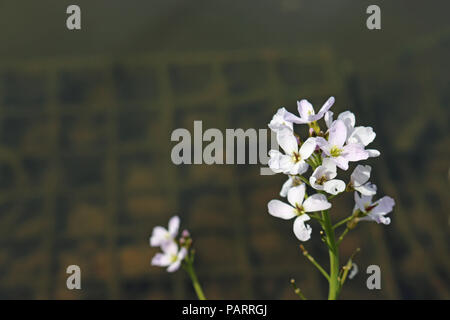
(301, 230)
(290, 117)
(328, 118)
(287, 141)
(182, 254)
(355, 152)
(281, 210)
(305, 109)
(287, 164)
(360, 175)
(384, 206)
(161, 260)
(324, 145)
(349, 119)
(159, 236)
(316, 202)
(341, 162)
(326, 106)
(361, 201)
(334, 186)
(174, 266)
(337, 134)
(174, 224)
(278, 122)
(373, 153)
(170, 248)
(296, 195)
(307, 148)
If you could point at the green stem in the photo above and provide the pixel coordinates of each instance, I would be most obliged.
(334, 257)
(314, 262)
(342, 236)
(198, 289)
(342, 222)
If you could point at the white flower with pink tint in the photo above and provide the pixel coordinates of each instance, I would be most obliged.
(337, 149)
(359, 180)
(293, 161)
(161, 235)
(171, 257)
(374, 211)
(278, 122)
(298, 207)
(307, 113)
(323, 178)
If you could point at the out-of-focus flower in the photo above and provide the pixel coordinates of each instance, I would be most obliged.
(307, 113)
(375, 211)
(293, 161)
(161, 235)
(171, 257)
(359, 180)
(323, 178)
(278, 122)
(298, 208)
(337, 149)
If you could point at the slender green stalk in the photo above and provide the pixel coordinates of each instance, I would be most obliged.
(198, 289)
(314, 262)
(342, 236)
(342, 222)
(297, 290)
(333, 281)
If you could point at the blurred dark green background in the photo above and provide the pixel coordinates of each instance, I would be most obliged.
(85, 124)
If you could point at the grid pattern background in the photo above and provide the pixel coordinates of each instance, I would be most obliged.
(86, 174)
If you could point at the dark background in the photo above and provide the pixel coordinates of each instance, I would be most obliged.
(85, 124)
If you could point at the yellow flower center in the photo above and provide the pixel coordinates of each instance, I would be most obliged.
(335, 151)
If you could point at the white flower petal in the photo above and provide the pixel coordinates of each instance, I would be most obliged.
(159, 236)
(174, 224)
(328, 118)
(170, 248)
(161, 260)
(368, 189)
(301, 230)
(326, 106)
(355, 152)
(174, 266)
(360, 175)
(364, 135)
(287, 141)
(305, 109)
(307, 148)
(278, 122)
(337, 134)
(349, 120)
(281, 210)
(286, 186)
(373, 153)
(334, 186)
(316, 202)
(296, 195)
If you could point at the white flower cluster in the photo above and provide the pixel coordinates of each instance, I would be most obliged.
(171, 256)
(343, 142)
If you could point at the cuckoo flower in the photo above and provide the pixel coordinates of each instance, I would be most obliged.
(298, 208)
(161, 235)
(323, 178)
(278, 122)
(307, 113)
(293, 161)
(374, 211)
(363, 135)
(171, 257)
(359, 181)
(337, 149)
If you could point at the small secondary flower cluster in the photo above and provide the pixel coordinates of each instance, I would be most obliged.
(324, 152)
(173, 251)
